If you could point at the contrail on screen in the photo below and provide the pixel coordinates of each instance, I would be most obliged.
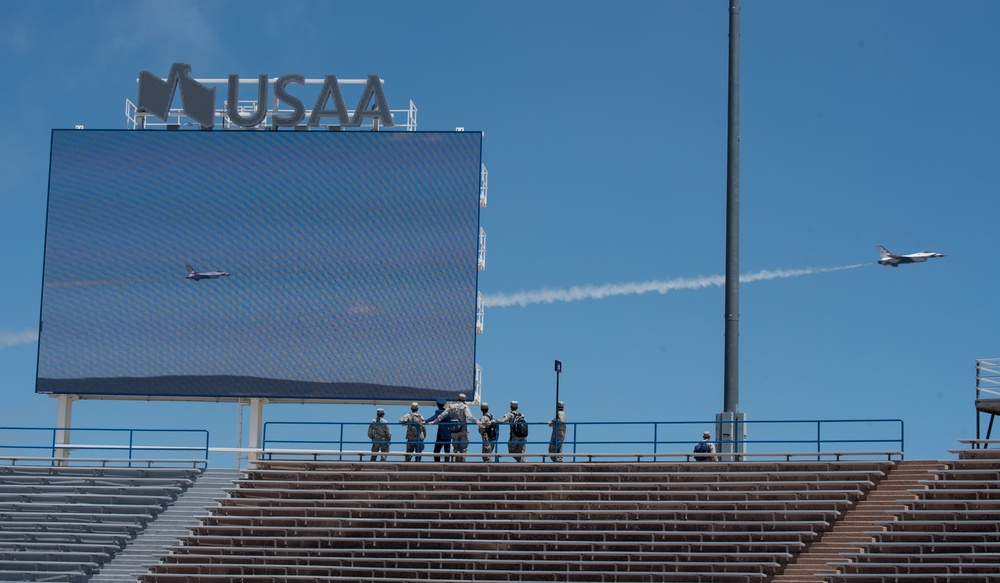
(607, 290)
(10, 338)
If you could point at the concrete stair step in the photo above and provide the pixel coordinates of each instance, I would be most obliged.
(184, 513)
(887, 497)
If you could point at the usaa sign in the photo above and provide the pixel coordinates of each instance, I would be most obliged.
(198, 100)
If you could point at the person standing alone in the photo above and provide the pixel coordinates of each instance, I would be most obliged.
(380, 434)
(558, 425)
(705, 447)
(415, 431)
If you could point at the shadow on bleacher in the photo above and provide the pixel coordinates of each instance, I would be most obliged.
(61, 523)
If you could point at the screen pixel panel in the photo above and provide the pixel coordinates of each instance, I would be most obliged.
(328, 265)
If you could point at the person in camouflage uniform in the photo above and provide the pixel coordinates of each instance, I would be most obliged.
(415, 431)
(558, 425)
(380, 434)
(515, 444)
(488, 432)
(460, 415)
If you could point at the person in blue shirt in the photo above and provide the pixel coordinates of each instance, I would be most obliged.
(443, 441)
(705, 447)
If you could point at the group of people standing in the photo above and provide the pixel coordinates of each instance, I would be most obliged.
(452, 439)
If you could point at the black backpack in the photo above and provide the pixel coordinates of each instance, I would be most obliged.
(519, 426)
(491, 430)
(701, 447)
(456, 416)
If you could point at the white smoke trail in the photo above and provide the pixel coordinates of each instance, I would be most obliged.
(10, 338)
(598, 292)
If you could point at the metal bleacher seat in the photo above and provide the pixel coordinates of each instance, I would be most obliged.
(48, 570)
(916, 577)
(414, 576)
(567, 522)
(14, 574)
(950, 532)
(31, 535)
(99, 550)
(521, 568)
(929, 569)
(104, 509)
(62, 523)
(156, 497)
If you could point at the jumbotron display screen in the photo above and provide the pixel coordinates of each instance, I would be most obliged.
(281, 265)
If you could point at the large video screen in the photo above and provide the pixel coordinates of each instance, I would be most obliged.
(281, 265)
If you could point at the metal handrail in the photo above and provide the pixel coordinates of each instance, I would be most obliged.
(362, 455)
(584, 440)
(103, 462)
(988, 376)
(592, 437)
(129, 450)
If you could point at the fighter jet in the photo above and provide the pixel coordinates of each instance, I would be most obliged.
(195, 275)
(894, 260)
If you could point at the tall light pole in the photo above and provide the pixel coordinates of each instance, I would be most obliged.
(730, 423)
(731, 399)
(732, 356)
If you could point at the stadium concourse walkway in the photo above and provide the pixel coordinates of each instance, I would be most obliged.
(402, 522)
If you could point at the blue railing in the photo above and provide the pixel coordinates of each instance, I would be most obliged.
(643, 438)
(128, 446)
(810, 436)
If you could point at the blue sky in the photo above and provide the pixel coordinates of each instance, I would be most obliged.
(863, 123)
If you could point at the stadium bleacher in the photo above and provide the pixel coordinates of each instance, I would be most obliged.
(949, 532)
(379, 521)
(738, 521)
(62, 523)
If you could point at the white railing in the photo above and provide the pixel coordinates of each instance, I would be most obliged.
(176, 118)
(480, 312)
(482, 249)
(483, 185)
(988, 377)
(478, 387)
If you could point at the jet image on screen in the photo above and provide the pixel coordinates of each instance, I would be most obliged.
(280, 265)
(195, 275)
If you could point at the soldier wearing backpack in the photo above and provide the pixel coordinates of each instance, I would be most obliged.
(380, 434)
(488, 431)
(415, 431)
(459, 414)
(558, 425)
(518, 432)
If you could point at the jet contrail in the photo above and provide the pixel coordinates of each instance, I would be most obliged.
(10, 338)
(598, 292)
